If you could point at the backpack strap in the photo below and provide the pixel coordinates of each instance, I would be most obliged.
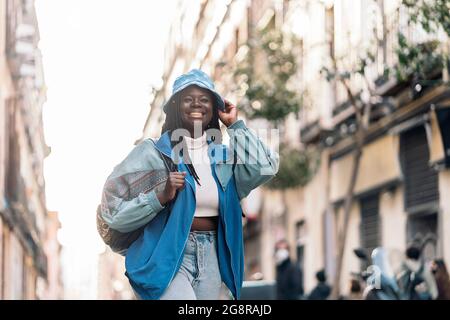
(171, 167)
(168, 163)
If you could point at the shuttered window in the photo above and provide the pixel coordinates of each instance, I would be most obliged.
(370, 222)
(421, 181)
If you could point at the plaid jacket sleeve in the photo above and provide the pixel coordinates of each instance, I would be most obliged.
(129, 198)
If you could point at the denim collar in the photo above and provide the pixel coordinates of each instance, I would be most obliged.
(219, 153)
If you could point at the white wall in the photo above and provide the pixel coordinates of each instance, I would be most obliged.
(393, 220)
(444, 187)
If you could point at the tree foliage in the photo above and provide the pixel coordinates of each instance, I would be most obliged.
(418, 62)
(271, 93)
(266, 80)
(296, 168)
(430, 14)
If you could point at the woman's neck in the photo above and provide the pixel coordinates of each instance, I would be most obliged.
(196, 130)
(196, 135)
(196, 143)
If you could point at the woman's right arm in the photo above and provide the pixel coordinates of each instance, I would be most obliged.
(130, 215)
(125, 207)
(120, 208)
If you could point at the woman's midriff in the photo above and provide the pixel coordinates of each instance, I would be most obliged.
(204, 223)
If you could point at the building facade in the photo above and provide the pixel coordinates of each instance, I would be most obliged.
(23, 213)
(402, 176)
(53, 288)
(112, 282)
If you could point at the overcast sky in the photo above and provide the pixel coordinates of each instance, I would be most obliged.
(101, 58)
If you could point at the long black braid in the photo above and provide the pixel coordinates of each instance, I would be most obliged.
(173, 121)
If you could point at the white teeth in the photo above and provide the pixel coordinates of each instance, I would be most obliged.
(195, 114)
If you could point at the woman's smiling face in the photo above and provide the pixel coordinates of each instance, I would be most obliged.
(196, 107)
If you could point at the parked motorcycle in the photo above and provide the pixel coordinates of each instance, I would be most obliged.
(379, 278)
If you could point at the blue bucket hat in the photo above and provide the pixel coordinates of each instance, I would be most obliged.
(198, 78)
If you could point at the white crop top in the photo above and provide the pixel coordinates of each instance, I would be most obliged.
(207, 197)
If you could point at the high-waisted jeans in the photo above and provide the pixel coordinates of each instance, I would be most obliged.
(198, 277)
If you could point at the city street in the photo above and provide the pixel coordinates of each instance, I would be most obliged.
(221, 150)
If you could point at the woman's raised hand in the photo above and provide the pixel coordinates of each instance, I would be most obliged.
(229, 116)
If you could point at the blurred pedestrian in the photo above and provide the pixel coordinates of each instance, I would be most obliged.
(322, 290)
(415, 278)
(442, 278)
(289, 275)
(355, 290)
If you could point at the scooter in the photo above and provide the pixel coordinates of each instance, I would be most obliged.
(379, 279)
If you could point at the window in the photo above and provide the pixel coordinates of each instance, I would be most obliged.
(329, 29)
(421, 181)
(370, 223)
(422, 230)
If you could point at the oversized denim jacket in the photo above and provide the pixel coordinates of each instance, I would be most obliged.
(153, 259)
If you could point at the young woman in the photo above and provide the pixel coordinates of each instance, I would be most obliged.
(191, 239)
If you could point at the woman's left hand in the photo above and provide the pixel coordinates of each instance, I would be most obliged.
(229, 116)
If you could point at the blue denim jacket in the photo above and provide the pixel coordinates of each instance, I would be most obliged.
(154, 258)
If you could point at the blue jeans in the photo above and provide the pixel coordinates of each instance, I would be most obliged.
(198, 277)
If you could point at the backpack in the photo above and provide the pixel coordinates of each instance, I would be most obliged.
(118, 241)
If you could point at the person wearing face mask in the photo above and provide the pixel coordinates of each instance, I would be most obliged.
(288, 274)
